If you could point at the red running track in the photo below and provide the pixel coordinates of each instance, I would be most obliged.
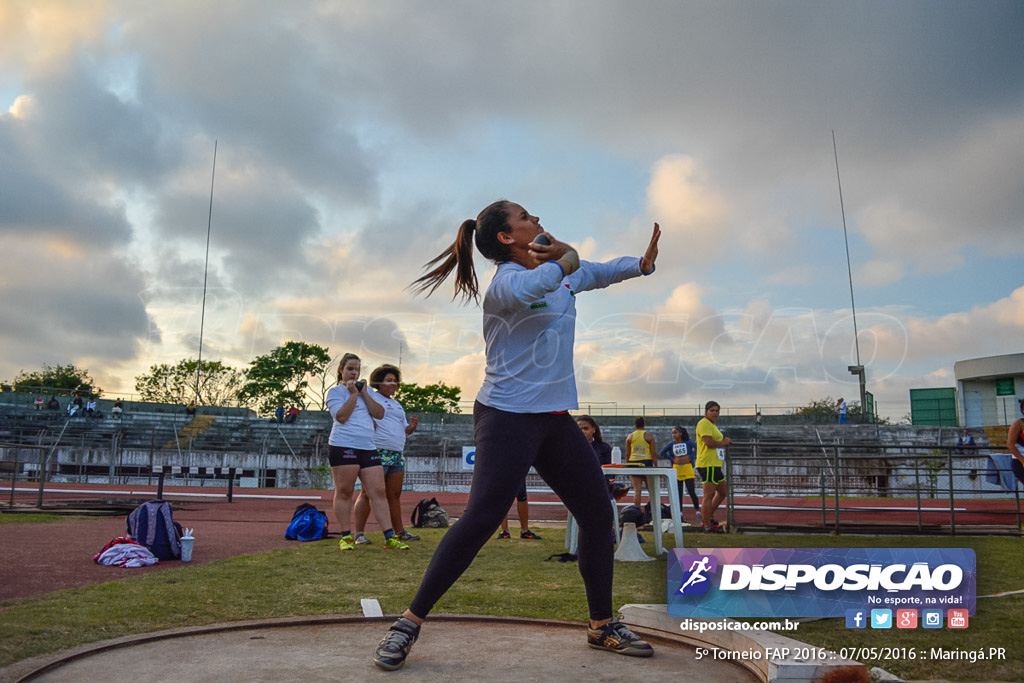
(37, 558)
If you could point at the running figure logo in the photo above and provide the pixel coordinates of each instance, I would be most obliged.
(695, 580)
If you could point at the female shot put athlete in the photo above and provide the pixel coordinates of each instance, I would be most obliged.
(520, 416)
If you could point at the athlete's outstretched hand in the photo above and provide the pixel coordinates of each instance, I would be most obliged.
(651, 255)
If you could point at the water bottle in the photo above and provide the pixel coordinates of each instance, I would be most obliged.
(616, 455)
(186, 542)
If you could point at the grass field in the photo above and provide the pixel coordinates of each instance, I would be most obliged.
(508, 578)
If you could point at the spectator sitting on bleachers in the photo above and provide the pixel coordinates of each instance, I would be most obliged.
(53, 404)
(38, 403)
(116, 410)
(90, 408)
(293, 415)
(75, 407)
(965, 442)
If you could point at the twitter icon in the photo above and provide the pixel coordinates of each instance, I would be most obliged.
(881, 618)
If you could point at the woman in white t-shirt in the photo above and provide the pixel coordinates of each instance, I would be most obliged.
(392, 429)
(521, 414)
(352, 452)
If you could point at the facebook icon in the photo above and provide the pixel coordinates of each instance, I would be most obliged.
(856, 618)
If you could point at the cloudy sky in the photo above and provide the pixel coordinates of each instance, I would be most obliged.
(352, 137)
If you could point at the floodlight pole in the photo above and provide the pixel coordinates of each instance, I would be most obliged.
(206, 271)
(857, 369)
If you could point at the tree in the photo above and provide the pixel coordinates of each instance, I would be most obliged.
(322, 383)
(826, 409)
(58, 380)
(218, 383)
(282, 376)
(431, 398)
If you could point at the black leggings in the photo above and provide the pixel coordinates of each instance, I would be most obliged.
(507, 444)
(691, 488)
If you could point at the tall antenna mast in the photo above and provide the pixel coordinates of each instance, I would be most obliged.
(206, 270)
(857, 369)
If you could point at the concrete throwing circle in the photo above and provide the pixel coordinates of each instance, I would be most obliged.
(308, 650)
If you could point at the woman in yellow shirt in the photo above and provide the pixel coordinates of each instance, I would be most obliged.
(711, 447)
(639, 453)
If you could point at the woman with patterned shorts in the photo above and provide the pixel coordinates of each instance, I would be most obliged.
(389, 436)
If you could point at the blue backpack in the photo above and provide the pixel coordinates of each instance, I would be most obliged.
(308, 524)
(153, 525)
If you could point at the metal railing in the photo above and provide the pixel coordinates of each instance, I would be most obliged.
(864, 485)
(846, 485)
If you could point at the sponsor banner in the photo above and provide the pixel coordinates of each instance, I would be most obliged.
(817, 582)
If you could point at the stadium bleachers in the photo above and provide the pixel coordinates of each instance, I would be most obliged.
(145, 430)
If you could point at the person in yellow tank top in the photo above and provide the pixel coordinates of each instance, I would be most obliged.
(711, 447)
(640, 452)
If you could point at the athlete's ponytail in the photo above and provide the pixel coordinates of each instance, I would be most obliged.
(459, 256)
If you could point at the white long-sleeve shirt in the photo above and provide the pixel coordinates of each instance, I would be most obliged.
(530, 328)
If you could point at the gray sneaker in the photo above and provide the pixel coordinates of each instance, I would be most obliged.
(406, 536)
(394, 647)
(614, 636)
(361, 539)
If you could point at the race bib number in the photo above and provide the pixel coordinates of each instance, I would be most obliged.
(721, 453)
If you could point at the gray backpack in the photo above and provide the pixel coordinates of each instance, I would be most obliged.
(428, 513)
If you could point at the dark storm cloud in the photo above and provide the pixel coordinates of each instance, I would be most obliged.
(258, 231)
(87, 134)
(58, 307)
(672, 64)
(415, 230)
(249, 75)
(174, 272)
(34, 203)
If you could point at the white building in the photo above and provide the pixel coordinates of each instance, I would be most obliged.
(988, 389)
